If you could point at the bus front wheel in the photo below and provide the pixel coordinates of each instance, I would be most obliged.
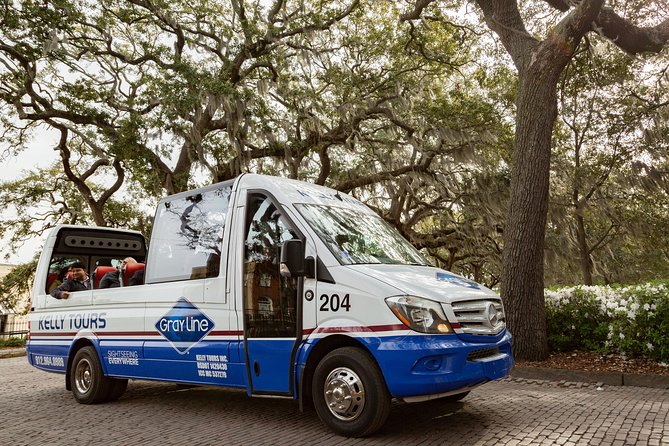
(349, 392)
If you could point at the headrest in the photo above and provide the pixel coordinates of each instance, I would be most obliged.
(51, 278)
(130, 270)
(100, 272)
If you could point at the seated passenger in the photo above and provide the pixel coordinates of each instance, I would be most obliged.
(112, 279)
(60, 278)
(137, 278)
(78, 282)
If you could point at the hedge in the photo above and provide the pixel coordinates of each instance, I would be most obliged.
(628, 320)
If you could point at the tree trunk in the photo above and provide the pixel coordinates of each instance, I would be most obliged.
(584, 252)
(96, 211)
(523, 254)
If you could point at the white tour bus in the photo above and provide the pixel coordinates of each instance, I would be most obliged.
(279, 287)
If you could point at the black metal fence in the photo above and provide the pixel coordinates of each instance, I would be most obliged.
(12, 328)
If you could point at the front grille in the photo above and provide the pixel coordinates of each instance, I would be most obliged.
(480, 317)
(483, 353)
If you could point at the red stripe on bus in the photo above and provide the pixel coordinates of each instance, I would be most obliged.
(226, 333)
(127, 333)
(53, 333)
(359, 328)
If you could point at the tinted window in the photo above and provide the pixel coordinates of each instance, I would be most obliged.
(187, 237)
(270, 301)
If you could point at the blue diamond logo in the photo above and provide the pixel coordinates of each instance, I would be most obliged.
(184, 325)
(457, 280)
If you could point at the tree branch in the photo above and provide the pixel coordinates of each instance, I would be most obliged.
(120, 177)
(417, 10)
(601, 240)
(503, 17)
(559, 47)
(348, 186)
(629, 37)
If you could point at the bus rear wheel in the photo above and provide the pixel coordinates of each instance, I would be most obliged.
(349, 393)
(117, 388)
(89, 385)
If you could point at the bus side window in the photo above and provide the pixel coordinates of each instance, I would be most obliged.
(187, 237)
(58, 271)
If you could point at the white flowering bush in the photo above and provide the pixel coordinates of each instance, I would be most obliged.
(631, 320)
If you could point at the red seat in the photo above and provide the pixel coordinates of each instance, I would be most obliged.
(51, 278)
(100, 272)
(130, 270)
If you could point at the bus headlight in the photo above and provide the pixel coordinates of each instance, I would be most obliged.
(422, 315)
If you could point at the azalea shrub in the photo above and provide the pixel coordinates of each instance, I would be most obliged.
(630, 320)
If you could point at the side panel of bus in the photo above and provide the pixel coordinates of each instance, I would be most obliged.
(188, 314)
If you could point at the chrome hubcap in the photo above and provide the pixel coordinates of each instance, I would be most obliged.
(344, 394)
(83, 376)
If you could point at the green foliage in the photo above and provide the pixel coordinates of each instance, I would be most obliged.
(16, 283)
(574, 322)
(632, 320)
(12, 342)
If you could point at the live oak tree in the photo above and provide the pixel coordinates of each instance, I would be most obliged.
(148, 96)
(152, 97)
(143, 93)
(142, 83)
(279, 90)
(539, 63)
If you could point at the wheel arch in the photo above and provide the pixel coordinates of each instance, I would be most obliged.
(78, 345)
(315, 355)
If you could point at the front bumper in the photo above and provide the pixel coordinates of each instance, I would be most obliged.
(419, 365)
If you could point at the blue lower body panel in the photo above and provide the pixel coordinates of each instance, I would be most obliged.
(423, 365)
(430, 365)
(207, 363)
(50, 356)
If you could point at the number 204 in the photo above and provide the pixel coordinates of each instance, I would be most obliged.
(334, 302)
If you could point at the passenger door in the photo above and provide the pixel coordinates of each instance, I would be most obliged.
(270, 308)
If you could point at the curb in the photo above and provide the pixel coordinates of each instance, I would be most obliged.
(12, 352)
(608, 378)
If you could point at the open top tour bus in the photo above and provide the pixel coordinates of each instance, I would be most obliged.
(277, 286)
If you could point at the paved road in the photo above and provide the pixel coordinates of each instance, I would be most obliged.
(37, 410)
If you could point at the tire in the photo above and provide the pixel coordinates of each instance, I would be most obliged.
(117, 388)
(454, 398)
(349, 393)
(89, 385)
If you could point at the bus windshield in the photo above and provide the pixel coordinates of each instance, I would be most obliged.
(359, 238)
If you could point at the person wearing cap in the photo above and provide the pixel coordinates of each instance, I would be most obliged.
(78, 282)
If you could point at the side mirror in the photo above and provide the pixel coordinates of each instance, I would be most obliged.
(292, 259)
